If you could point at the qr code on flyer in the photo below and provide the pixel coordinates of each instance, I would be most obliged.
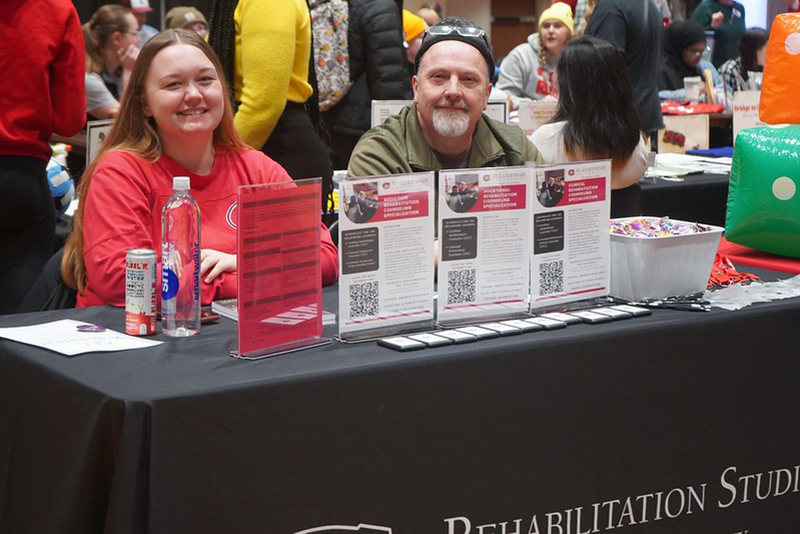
(461, 286)
(363, 300)
(551, 277)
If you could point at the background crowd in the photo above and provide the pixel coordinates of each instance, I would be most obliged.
(255, 91)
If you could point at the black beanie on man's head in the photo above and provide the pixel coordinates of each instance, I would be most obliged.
(481, 44)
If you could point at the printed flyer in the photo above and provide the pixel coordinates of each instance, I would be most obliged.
(484, 243)
(386, 227)
(571, 206)
(535, 113)
(745, 111)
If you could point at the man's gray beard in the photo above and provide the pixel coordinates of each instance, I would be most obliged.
(449, 123)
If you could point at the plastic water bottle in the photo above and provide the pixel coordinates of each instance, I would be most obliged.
(180, 262)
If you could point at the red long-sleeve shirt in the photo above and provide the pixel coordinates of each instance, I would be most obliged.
(123, 211)
(42, 87)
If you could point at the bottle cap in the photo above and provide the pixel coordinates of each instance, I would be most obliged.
(180, 183)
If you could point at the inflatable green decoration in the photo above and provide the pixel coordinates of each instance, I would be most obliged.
(764, 193)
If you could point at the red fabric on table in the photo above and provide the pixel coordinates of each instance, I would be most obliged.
(670, 107)
(739, 254)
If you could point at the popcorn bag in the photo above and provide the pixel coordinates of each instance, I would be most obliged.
(781, 83)
(763, 197)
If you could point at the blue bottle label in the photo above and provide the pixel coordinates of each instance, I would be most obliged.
(169, 284)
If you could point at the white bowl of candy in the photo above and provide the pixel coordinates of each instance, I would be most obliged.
(659, 257)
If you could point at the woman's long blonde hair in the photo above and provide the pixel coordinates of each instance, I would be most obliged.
(105, 22)
(133, 132)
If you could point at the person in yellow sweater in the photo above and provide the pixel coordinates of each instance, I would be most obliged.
(265, 49)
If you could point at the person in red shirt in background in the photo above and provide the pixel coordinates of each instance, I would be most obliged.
(175, 120)
(41, 93)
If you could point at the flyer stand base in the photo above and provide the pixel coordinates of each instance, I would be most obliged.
(474, 320)
(282, 349)
(577, 305)
(389, 331)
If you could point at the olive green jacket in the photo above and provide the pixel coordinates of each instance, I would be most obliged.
(398, 147)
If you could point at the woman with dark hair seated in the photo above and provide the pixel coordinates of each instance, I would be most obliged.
(596, 118)
(684, 45)
(175, 119)
(752, 55)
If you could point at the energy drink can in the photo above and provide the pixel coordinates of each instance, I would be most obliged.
(140, 292)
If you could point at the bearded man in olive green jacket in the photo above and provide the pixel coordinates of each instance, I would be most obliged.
(445, 128)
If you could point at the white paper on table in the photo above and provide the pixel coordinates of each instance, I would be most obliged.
(672, 173)
(723, 160)
(64, 337)
(667, 163)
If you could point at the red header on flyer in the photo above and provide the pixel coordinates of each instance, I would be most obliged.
(583, 191)
(501, 198)
(402, 206)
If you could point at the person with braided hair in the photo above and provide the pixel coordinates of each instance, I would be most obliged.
(265, 50)
(528, 71)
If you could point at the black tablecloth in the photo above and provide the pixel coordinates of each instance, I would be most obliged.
(590, 421)
(698, 198)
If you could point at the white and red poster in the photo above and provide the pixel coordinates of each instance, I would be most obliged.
(745, 111)
(571, 205)
(386, 253)
(484, 243)
(535, 113)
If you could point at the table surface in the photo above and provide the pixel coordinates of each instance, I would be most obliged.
(183, 438)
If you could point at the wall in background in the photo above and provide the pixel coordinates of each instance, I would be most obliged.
(478, 11)
(755, 13)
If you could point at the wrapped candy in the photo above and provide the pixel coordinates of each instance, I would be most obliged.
(654, 227)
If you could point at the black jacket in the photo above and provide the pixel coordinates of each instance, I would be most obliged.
(638, 35)
(378, 65)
